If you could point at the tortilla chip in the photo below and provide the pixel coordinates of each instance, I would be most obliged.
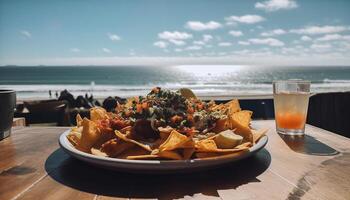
(209, 145)
(233, 106)
(206, 145)
(165, 132)
(239, 123)
(74, 138)
(98, 113)
(207, 154)
(170, 155)
(123, 137)
(243, 117)
(210, 155)
(78, 120)
(104, 137)
(114, 147)
(134, 151)
(175, 140)
(74, 135)
(244, 145)
(220, 107)
(89, 136)
(257, 134)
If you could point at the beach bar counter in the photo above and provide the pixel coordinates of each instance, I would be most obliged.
(32, 166)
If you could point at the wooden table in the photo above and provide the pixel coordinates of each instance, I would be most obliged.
(32, 166)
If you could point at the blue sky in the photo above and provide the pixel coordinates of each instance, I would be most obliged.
(267, 32)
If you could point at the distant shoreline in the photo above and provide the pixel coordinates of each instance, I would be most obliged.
(204, 97)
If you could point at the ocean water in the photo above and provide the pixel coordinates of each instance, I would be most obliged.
(125, 81)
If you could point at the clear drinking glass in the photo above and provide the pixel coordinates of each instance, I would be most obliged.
(291, 100)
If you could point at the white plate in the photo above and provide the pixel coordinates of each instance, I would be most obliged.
(155, 166)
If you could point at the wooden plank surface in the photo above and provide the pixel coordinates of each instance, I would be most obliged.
(32, 166)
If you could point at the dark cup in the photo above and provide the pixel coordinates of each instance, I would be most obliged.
(7, 108)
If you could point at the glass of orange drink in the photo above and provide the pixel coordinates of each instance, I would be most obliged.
(291, 100)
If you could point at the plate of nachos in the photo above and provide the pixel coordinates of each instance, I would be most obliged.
(164, 131)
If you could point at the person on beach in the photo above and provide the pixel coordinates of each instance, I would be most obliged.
(50, 94)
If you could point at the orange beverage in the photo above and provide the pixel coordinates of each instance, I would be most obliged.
(290, 108)
(290, 120)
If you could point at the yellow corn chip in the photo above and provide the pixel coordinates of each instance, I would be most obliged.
(114, 147)
(98, 113)
(233, 106)
(206, 145)
(174, 141)
(242, 117)
(209, 145)
(210, 155)
(78, 120)
(170, 155)
(123, 137)
(239, 122)
(134, 151)
(188, 144)
(165, 132)
(89, 136)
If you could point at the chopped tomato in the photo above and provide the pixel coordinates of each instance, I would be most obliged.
(190, 110)
(176, 119)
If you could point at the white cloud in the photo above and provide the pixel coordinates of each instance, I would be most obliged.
(331, 37)
(207, 38)
(178, 50)
(194, 47)
(113, 37)
(178, 42)
(245, 19)
(106, 50)
(305, 38)
(274, 5)
(243, 43)
(321, 47)
(273, 32)
(161, 44)
(166, 35)
(75, 50)
(199, 42)
(236, 33)
(314, 30)
(26, 34)
(267, 41)
(225, 44)
(200, 26)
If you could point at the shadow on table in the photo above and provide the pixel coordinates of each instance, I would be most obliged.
(81, 176)
(308, 145)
